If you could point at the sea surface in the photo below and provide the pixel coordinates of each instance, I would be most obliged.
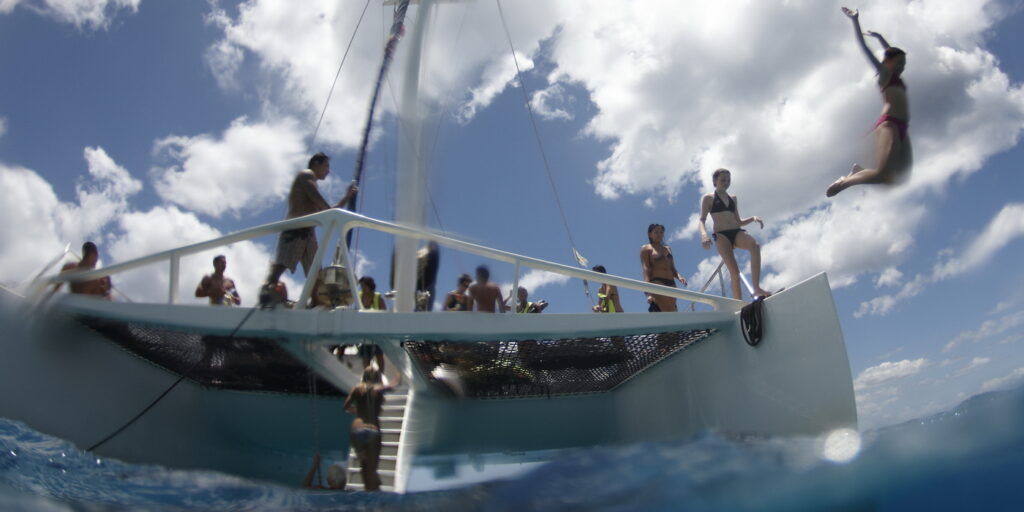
(968, 458)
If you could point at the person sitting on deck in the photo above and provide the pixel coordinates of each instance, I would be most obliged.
(369, 297)
(659, 268)
(728, 234)
(485, 296)
(218, 287)
(336, 478)
(607, 295)
(523, 305)
(99, 287)
(366, 401)
(457, 299)
(299, 244)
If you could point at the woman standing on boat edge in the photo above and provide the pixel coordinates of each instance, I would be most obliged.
(728, 234)
(893, 154)
(659, 268)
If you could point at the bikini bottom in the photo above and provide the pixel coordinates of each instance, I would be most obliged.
(728, 233)
(365, 436)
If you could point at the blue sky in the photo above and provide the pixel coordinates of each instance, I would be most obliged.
(145, 124)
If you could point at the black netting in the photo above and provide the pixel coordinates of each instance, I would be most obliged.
(238, 363)
(506, 369)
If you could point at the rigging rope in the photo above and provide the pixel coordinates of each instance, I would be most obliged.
(336, 75)
(547, 167)
(316, 420)
(166, 391)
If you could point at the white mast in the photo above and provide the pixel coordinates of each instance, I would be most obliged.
(411, 162)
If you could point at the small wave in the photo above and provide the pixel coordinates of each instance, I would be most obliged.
(967, 458)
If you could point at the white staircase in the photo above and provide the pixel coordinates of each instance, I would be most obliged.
(392, 418)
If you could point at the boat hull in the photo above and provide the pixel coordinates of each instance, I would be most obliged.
(67, 380)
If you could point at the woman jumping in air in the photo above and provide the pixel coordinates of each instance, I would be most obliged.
(893, 154)
(728, 234)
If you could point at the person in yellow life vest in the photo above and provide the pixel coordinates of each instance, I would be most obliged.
(607, 296)
(525, 306)
(369, 296)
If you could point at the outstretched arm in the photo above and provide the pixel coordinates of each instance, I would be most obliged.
(876, 35)
(748, 220)
(854, 16)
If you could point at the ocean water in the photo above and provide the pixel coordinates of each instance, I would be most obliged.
(968, 458)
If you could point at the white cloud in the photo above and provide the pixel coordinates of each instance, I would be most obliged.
(974, 364)
(298, 51)
(1001, 382)
(90, 14)
(248, 262)
(887, 371)
(38, 224)
(497, 75)
(1004, 228)
(547, 103)
(988, 328)
(680, 95)
(534, 279)
(889, 277)
(250, 166)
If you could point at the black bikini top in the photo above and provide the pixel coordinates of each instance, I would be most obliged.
(719, 206)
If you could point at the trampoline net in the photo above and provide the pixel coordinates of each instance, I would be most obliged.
(544, 367)
(237, 363)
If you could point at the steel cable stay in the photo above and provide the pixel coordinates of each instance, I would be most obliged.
(330, 92)
(170, 388)
(540, 144)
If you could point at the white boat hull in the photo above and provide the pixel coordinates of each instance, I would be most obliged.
(73, 383)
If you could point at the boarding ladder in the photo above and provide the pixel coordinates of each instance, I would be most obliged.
(392, 421)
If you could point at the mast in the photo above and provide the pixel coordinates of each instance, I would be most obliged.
(411, 161)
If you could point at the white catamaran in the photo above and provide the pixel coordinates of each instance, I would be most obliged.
(246, 390)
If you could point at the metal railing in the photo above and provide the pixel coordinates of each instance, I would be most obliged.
(721, 282)
(339, 222)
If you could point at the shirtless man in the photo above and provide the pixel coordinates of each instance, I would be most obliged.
(99, 287)
(457, 299)
(297, 245)
(365, 401)
(218, 287)
(483, 295)
(659, 268)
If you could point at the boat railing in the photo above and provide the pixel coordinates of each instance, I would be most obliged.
(721, 283)
(337, 222)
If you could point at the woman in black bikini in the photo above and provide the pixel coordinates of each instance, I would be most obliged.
(365, 401)
(728, 235)
(893, 154)
(659, 268)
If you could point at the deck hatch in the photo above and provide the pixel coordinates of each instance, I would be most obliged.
(544, 367)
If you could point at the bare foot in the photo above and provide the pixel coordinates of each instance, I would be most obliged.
(836, 187)
(761, 293)
(839, 185)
